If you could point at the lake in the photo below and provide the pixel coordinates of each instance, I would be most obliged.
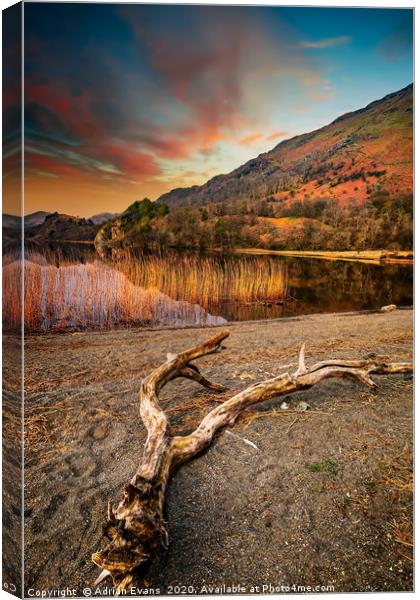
(73, 287)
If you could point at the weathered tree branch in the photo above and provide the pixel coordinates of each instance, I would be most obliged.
(136, 530)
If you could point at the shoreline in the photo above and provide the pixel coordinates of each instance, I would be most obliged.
(377, 257)
(399, 257)
(149, 328)
(91, 439)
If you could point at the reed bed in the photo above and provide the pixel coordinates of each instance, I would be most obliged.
(89, 295)
(177, 290)
(208, 280)
(12, 293)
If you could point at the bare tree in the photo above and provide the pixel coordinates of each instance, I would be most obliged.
(135, 529)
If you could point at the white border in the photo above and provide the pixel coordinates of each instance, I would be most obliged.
(319, 3)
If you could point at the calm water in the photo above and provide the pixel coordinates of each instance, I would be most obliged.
(73, 287)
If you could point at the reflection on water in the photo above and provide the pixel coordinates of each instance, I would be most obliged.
(89, 296)
(209, 280)
(72, 286)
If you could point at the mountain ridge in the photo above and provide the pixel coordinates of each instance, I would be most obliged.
(59, 227)
(31, 220)
(272, 172)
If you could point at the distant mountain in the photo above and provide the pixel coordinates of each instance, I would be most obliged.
(42, 226)
(37, 218)
(355, 156)
(103, 217)
(11, 221)
(32, 220)
(61, 228)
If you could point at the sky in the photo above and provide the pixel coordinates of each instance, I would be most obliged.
(128, 101)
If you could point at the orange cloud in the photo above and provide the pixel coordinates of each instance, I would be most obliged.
(109, 131)
(276, 134)
(250, 139)
(201, 71)
(212, 72)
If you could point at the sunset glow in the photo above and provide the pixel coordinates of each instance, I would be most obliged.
(126, 101)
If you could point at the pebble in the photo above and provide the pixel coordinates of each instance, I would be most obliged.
(302, 406)
(99, 432)
(388, 308)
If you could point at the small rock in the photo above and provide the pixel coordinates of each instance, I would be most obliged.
(246, 376)
(389, 308)
(284, 406)
(99, 432)
(302, 405)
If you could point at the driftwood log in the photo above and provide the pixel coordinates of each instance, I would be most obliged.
(135, 529)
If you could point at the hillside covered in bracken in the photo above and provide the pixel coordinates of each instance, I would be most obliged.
(356, 155)
(348, 185)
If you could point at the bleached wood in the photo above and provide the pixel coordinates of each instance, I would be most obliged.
(135, 529)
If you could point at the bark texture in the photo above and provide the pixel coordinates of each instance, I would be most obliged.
(135, 529)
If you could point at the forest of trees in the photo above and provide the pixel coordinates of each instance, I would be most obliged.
(316, 224)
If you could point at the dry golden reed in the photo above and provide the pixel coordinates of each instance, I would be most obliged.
(208, 280)
(144, 290)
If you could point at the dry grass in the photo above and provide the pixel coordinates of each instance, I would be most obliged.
(395, 479)
(148, 290)
(208, 280)
(398, 479)
(42, 439)
(12, 294)
(91, 295)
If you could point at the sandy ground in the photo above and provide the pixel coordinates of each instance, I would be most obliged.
(324, 499)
